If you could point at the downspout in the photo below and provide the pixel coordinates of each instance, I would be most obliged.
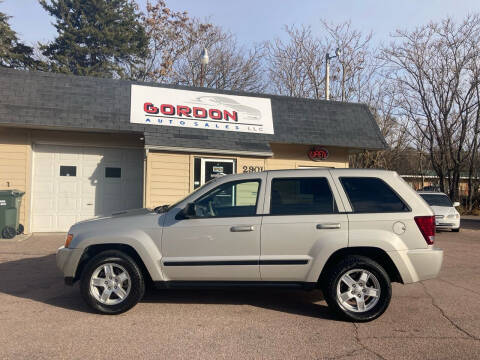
(145, 156)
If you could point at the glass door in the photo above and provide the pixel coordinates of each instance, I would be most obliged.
(213, 168)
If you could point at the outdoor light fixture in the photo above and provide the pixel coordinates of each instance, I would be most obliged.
(204, 57)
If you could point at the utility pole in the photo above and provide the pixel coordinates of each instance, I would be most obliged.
(327, 72)
(203, 66)
(327, 76)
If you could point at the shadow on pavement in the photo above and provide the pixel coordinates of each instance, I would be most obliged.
(38, 279)
(472, 224)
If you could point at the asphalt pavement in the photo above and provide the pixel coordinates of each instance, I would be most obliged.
(41, 318)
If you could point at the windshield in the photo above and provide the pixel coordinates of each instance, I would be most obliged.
(437, 200)
(164, 208)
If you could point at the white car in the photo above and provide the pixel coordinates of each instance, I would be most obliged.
(347, 232)
(446, 216)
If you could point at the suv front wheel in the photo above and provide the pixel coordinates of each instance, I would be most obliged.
(357, 288)
(112, 283)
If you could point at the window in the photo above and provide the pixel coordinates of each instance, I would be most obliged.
(372, 195)
(113, 172)
(68, 170)
(296, 196)
(238, 198)
(437, 200)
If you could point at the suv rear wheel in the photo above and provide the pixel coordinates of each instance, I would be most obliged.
(358, 289)
(112, 283)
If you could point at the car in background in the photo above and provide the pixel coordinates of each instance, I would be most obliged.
(446, 216)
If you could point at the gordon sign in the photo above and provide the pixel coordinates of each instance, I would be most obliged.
(201, 110)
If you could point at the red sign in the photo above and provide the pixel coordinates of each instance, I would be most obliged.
(318, 153)
(186, 111)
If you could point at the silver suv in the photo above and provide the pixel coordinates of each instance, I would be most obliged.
(347, 232)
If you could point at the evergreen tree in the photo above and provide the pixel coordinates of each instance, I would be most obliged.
(13, 53)
(95, 37)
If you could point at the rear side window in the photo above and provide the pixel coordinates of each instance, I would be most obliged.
(300, 196)
(372, 195)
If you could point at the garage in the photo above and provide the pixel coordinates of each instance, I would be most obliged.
(72, 183)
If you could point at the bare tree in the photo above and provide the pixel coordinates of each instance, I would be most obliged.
(295, 66)
(169, 33)
(175, 44)
(230, 65)
(356, 67)
(432, 69)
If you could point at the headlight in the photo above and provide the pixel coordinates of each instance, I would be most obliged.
(68, 240)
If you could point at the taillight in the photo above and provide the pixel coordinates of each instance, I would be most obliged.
(426, 224)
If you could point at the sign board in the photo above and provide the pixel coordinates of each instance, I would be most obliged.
(318, 153)
(200, 110)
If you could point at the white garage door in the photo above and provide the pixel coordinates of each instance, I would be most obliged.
(71, 184)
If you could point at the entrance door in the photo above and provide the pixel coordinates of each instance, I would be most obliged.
(213, 168)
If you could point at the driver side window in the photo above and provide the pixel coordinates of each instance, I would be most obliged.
(233, 199)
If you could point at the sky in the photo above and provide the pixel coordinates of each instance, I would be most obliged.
(255, 21)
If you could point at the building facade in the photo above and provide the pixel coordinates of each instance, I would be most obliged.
(82, 147)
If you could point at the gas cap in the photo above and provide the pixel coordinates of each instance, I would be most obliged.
(399, 228)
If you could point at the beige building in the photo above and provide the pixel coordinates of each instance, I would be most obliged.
(84, 147)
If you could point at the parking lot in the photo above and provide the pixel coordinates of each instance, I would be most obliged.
(40, 317)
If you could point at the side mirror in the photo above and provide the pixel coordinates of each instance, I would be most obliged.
(189, 211)
(455, 204)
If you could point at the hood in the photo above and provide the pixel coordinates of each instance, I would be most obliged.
(444, 210)
(119, 214)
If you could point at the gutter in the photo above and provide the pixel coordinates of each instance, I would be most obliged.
(209, 151)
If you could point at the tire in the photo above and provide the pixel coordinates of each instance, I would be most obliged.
(9, 232)
(20, 229)
(456, 230)
(130, 285)
(357, 268)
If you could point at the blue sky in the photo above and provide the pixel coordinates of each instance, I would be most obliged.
(258, 20)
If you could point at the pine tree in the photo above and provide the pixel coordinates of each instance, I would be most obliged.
(95, 37)
(13, 53)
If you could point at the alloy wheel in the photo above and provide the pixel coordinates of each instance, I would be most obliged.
(358, 290)
(110, 284)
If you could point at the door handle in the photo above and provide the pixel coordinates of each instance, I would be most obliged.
(242, 228)
(328, 226)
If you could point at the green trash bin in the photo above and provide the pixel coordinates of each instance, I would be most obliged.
(10, 201)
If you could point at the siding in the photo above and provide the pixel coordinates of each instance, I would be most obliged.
(286, 156)
(15, 160)
(169, 175)
(168, 178)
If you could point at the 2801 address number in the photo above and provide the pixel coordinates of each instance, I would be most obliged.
(249, 169)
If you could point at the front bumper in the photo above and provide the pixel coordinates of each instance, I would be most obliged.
(67, 261)
(447, 223)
